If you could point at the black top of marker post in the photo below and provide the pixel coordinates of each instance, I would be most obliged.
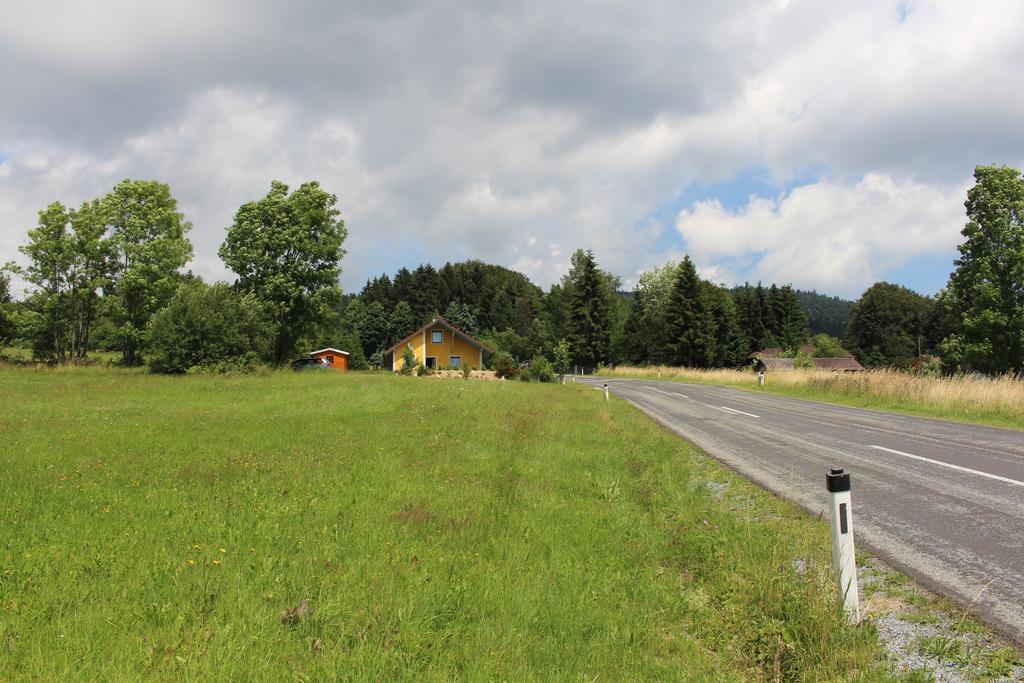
(837, 480)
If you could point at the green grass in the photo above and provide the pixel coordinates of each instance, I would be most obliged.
(437, 529)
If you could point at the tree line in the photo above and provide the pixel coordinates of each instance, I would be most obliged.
(109, 275)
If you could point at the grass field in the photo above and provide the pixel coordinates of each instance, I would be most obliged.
(314, 525)
(998, 401)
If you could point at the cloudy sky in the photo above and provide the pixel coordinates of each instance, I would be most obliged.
(827, 144)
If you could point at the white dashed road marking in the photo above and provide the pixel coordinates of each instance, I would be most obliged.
(739, 412)
(951, 466)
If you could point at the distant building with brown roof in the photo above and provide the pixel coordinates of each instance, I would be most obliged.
(771, 359)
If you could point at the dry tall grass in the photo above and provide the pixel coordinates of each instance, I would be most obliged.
(997, 400)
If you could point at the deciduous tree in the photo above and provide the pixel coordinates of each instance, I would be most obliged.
(286, 249)
(69, 263)
(987, 287)
(887, 325)
(148, 236)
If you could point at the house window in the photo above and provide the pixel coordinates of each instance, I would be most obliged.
(329, 359)
(437, 336)
(432, 362)
(455, 362)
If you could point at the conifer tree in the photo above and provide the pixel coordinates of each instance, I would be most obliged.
(589, 312)
(730, 341)
(691, 328)
(633, 332)
(748, 312)
(460, 315)
(790, 322)
(401, 322)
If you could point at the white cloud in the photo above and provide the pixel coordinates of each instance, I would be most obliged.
(832, 236)
(516, 134)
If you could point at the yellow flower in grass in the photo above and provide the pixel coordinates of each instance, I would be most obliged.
(195, 547)
(191, 562)
(216, 561)
(222, 550)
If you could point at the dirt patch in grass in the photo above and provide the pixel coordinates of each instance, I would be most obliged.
(415, 514)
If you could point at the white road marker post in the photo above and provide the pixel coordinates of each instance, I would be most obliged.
(606, 399)
(659, 374)
(844, 559)
(760, 378)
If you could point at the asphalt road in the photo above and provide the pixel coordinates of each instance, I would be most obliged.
(942, 501)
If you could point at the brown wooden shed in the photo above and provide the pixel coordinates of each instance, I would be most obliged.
(336, 358)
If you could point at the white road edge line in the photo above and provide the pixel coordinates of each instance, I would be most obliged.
(733, 410)
(949, 465)
(678, 394)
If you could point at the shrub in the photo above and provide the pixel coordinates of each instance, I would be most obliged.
(206, 325)
(539, 370)
(802, 360)
(504, 366)
(561, 364)
(827, 346)
(408, 361)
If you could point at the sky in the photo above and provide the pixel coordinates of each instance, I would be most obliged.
(824, 144)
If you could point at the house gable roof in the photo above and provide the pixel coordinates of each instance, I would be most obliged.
(845, 364)
(443, 323)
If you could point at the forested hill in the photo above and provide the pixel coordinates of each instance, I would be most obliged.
(499, 298)
(516, 316)
(825, 314)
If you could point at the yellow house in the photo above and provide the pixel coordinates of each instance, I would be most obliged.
(439, 344)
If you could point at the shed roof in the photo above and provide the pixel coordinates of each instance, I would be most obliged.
(329, 350)
(849, 363)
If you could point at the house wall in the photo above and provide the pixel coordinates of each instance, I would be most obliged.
(451, 345)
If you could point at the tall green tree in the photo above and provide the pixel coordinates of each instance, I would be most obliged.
(287, 249)
(636, 349)
(590, 321)
(149, 239)
(731, 342)
(427, 294)
(7, 325)
(788, 322)
(888, 326)
(401, 323)
(656, 285)
(987, 286)
(368, 323)
(752, 314)
(691, 325)
(377, 290)
(460, 315)
(69, 263)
